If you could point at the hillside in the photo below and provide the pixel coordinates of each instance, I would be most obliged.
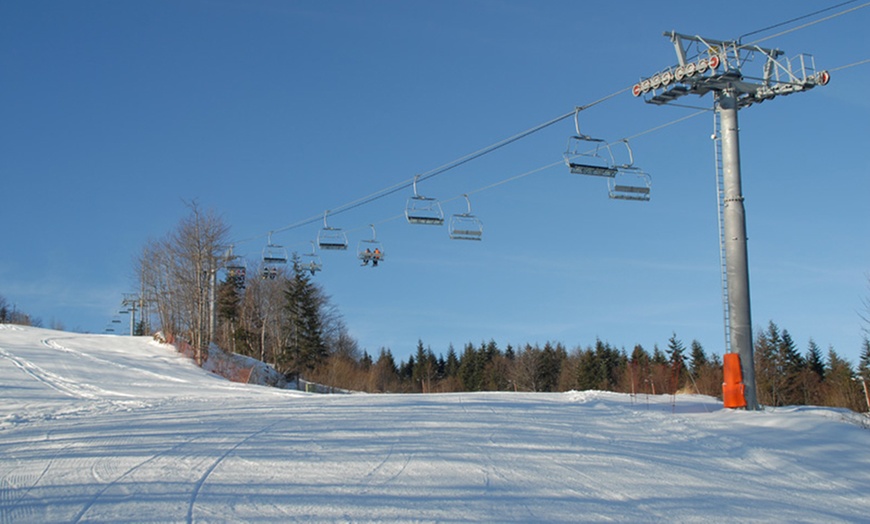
(119, 429)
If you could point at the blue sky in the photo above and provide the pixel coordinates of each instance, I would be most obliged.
(113, 114)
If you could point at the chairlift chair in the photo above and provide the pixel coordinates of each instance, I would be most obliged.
(465, 226)
(311, 261)
(237, 273)
(331, 238)
(630, 182)
(581, 161)
(370, 250)
(630, 185)
(236, 269)
(423, 210)
(274, 253)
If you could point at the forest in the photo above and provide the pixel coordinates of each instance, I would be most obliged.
(281, 316)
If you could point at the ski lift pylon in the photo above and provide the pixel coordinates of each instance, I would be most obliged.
(630, 182)
(331, 238)
(465, 226)
(583, 161)
(370, 250)
(423, 210)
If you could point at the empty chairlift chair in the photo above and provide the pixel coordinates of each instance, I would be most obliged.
(630, 182)
(331, 238)
(589, 156)
(465, 226)
(423, 210)
(370, 250)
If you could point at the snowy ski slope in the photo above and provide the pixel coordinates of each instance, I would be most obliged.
(100, 428)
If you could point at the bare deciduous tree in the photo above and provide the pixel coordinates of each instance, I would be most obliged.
(178, 275)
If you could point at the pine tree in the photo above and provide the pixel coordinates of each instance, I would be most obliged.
(814, 360)
(841, 390)
(812, 375)
(470, 369)
(306, 347)
(425, 368)
(790, 365)
(384, 375)
(864, 359)
(229, 300)
(767, 345)
(676, 359)
(699, 358)
(451, 365)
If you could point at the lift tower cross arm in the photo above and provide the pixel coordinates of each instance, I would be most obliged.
(707, 65)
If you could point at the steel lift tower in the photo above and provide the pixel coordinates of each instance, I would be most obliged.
(715, 66)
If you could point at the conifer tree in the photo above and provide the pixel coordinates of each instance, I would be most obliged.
(812, 375)
(840, 387)
(814, 360)
(699, 358)
(384, 374)
(451, 365)
(864, 359)
(677, 361)
(425, 368)
(767, 345)
(305, 346)
(790, 365)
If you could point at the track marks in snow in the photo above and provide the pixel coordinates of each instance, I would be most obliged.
(197, 488)
(24, 482)
(50, 379)
(54, 344)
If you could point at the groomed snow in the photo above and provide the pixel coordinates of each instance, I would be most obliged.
(119, 429)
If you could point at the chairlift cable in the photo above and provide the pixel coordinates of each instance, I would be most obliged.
(429, 174)
(404, 185)
(860, 62)
(498, 145)
(814, 22)
(774, 26)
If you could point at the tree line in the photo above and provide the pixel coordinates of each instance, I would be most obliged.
(284, 318)
(10, 314)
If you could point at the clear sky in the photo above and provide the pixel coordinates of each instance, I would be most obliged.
(113, 114)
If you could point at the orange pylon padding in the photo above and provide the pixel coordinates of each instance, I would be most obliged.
(732, 388)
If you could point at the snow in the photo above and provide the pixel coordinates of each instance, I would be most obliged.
(98, 428)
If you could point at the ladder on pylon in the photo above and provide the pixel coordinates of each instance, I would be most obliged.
(720, 197)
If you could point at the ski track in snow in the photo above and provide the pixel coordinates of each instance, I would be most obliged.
(115, 429)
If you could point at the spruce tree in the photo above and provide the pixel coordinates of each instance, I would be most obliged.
(451, 365)
(767, 380)
(790, 365)
(813, 374)
(677, 361)
(815, 361)
(841, 390)
(306, 346)
(699, 358)
(864, 359)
